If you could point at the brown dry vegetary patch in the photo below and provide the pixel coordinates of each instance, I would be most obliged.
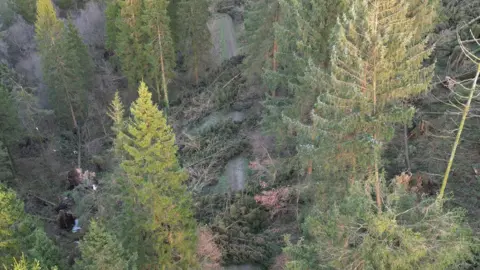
(208, 252)
(280, 262)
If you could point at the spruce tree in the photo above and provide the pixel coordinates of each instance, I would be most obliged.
(9, 128)
(112, 14)
(193, 33)
(262, 44)
(26, 8)
(101, 250)
(303, 35)
(20, 232)
(411, 233)
(66, 65)
(159, 47)
(129, 39)
(375, 65)
(117, 114)
(47, 27)
(155, 187)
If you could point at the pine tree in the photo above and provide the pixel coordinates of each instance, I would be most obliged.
(47, 27)
(262, 44)
(112, 14)
(375, 66)
(117, 113)
(155, 185)
(24, 264)
(26, 8)
(19, 232)
(193, 33)
(101, 250)
(9, 128)
(303, 35)
(159, 47)
(129, 39)
(66, 64)
(410, 234)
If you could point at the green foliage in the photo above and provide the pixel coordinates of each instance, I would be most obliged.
(360, 100)
(117, 113)
(101, 250)
(260, 19)
(304, 34)
(26, 8)
(159, 48)
(409, 234)
(139, 33)
(24, 264)
(127, 38)
(193, 35)
(20, 232)
(112, 13)
(154, 191)
(9, 128)
(239, 227)
(67, 67)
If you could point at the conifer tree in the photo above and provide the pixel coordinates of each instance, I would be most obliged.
(101, 250)
(9, 128)
(303, 35)
(410, 234)
(262, 44)
(193, 32)
(47, 27)
(375, 66)
(67, 68)
(19, 232)
(26, 8)
(159, 47)
(117, 113)
(154, 184)
(129, 39)
(112, 14)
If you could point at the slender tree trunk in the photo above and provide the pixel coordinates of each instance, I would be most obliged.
(405, 140)
(162, 66)
(195, 67)
(378, 190)
(79, 154)
(10, 159)
(466, 109)
(157, 88)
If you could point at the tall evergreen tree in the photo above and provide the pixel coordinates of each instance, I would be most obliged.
(112, 14)
(375, 66)
(262, 44)
(47, 26)
(129, 39)
(20, 232)
(9, 128)
(193, 32)
(410, 234)
(26, 8)
(66, 65)
(159, 46)
(101, 250)
(154, 187)
(117, 114)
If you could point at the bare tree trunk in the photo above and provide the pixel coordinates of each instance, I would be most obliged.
(405, 140)
(195, 67)
(466, 109)
(10, 159)
(378, 192)
(162, 66)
